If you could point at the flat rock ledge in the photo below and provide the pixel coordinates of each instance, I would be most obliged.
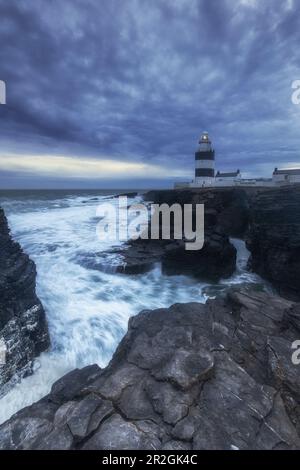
(194, 376)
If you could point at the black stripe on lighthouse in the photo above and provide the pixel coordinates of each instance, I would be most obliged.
(204, 162)
(209, 155)
(205, 172)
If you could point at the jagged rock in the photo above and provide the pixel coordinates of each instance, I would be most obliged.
(229, 208)
(78, 417)
(69, 385)
(281, 368)
(224, 210)
(274, 238)
(24, 433)
(116, 433)
(268, 218)
(226, 214)
(23, 326)
(216, 260)
(194, 376)
(140, 256)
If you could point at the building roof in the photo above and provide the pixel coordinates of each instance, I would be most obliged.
(288, 171)
(228, 175)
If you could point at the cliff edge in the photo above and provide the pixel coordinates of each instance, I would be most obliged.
(23, 327)
(273, 239)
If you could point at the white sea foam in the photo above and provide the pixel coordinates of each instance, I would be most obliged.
(241, 274)
(87, 310)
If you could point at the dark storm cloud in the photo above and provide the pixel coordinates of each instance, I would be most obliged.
(136, 80)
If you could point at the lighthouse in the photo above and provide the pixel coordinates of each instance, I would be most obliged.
(205, 162)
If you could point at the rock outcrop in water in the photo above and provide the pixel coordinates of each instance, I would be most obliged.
(269, 220)
(216, 260)
(214, 376)
(226, 214)
(274, 239)
(23, 327)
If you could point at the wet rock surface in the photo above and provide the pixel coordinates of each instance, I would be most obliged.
(23, 327)
(194, 376)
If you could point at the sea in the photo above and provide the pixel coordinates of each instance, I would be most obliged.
(87, 306)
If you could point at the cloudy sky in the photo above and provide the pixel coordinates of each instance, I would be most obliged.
(114, 93)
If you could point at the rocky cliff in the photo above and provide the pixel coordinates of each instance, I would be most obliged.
(23, 327)
(227, 208)
(216, 260)
(269, 220)
(214, 376)
(274, 238)
(226, 214)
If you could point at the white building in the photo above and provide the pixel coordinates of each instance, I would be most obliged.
(205, 176)
(288, 176)
(228, 179)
